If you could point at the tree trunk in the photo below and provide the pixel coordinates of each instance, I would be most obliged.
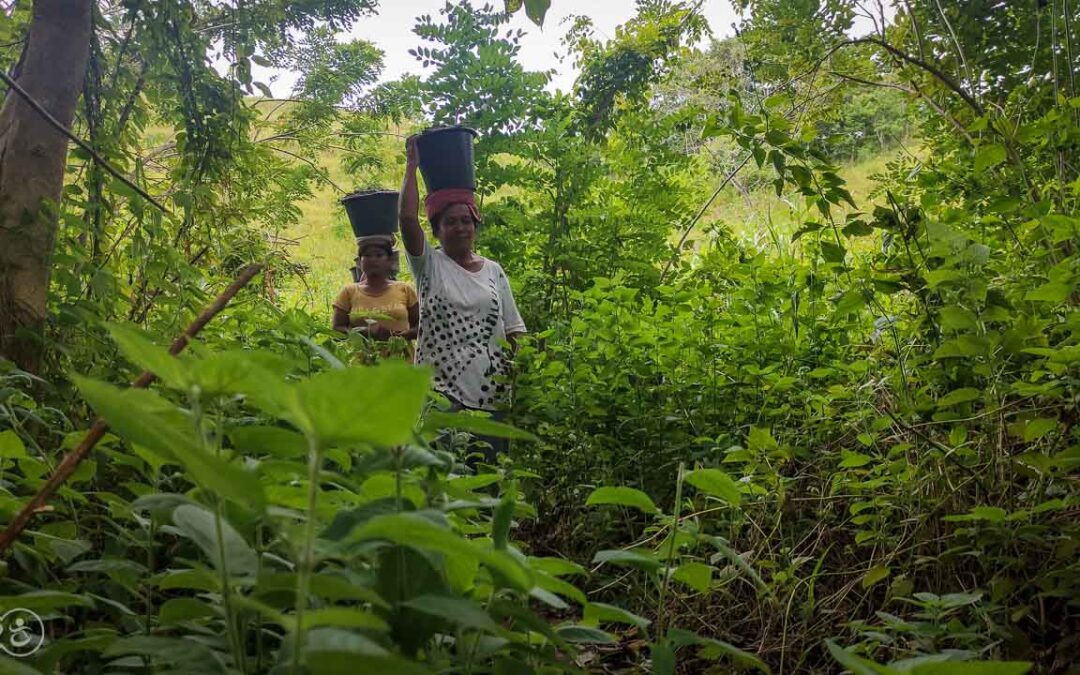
(33, 157)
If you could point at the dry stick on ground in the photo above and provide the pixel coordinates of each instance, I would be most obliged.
(72, 460)
(78, 141)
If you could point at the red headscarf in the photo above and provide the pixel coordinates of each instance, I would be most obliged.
(436, 202)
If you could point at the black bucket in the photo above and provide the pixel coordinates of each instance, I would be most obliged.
(372, 211)
(446, 158)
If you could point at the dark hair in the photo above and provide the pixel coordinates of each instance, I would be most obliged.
(439, 216)
(375, 244)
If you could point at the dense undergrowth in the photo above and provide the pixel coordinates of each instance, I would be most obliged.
(822, 439)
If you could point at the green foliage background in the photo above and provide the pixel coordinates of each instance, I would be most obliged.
(801, 391)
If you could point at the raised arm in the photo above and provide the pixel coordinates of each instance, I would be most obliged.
(409, 202)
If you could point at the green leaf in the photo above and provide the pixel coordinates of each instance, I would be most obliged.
(958, 318)
(11, 446)
(989, 156)
(258, 441)
(378, 405)
(663, 659)
(695, 575)
(715, 649)
(857, 228)
(598, 612)
(344, 617)
(13, 667)
(1037, 428)
(536, 10)
(716, 483)
(199, 526)
(326, 662)
(856, 664)
(177, 610)
(459, 611)
(973, 668)
(182, 654)
(413, 529)
(628, 558)
(850, 301)
(993, 514)
(875, 575)
(145, 418)
(44, 602)
(557, 585)
(958, 396)
(557, 567)
(140, 350)
(833, 253)
(853, 460)
(760, 439)
(1054, 292)
(622, 496)
(437, 419)
(584, 635)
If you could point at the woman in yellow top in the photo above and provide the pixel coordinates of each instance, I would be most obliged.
(377, 305)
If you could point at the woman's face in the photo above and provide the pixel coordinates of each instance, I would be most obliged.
(457, 229)
(375, 262)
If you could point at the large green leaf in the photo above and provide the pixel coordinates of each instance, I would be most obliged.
(716, 649)
(856, 664)
(973, 668)
(436, 419)
(989, 156)
(140, 350)
(145, 418)
(257, 441)
(418, 531)
(622, 496)
(182, 655)
(536, 10)
(716, 483)
(12, 667)
(696, 575)
(459, 611)
(344, 617)
(199, 525)
(637, 559)
(598, 612)
(11, 446)
(378, 405)
(584, 634)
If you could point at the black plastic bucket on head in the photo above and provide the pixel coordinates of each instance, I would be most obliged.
(446, 158)
(372, 211)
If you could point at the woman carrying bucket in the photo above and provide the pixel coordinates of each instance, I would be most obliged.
(467, 311)
(376, 305)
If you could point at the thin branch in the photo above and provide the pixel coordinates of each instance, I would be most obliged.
(913, 90)
(15, 87)
(72, 460)
(920, 63)
(693, 221)
(313, 165)
(915, 27)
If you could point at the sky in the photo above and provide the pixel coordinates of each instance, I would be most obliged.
(391, 31)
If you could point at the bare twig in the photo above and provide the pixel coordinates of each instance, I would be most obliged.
(72, 460)
(312, 164)
(15, 87)
(693, 221)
